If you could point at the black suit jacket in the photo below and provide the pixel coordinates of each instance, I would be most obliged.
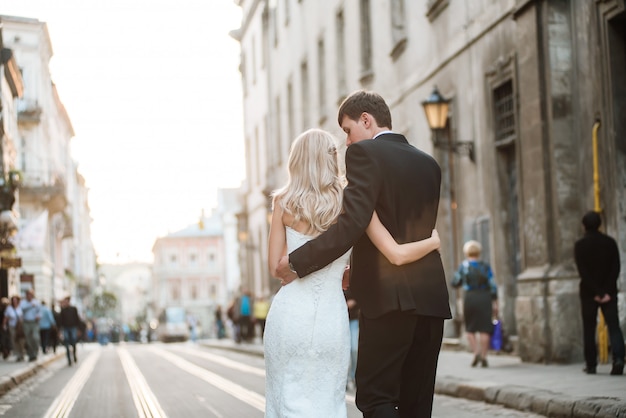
(597, 260)
(402, 184)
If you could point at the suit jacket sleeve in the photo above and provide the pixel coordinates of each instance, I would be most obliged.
(615, 268)
(359, 201)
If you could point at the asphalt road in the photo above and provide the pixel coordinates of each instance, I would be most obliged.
(170, 380)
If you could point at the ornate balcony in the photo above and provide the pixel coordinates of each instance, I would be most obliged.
(28, 112)
(48, 189)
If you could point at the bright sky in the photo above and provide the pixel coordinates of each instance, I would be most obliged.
(154, 95)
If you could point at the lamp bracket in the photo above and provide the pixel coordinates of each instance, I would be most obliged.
(458, 147)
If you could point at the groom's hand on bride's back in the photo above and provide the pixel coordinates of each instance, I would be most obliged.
(283, 272)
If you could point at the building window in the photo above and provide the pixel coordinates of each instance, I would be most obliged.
(434, 8)
(304, 75)
(265, 37)
(342, 86)
(242, 70)
(270, 155)
(290, 116)
(253, 64)
(258, 156)
(192, 259)
(278, 132)
(398, 28)
(366, 41)
(175, 289)
(23, 154)
(249, 155)
(173, 259)
(504, 113)
(321, 77)
(287, 12)
(275, 25)
(193, 289)
(481, 232)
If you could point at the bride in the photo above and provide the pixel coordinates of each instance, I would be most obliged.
(307, 336)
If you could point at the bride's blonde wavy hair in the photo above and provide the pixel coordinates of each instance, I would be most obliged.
(314, 189)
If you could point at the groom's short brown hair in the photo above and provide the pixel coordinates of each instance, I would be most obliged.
(365, 101)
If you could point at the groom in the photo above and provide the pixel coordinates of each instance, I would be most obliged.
(402, 307)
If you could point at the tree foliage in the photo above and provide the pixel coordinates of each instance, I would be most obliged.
(104, 304)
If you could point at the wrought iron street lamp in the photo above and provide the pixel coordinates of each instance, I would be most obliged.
(436, 108)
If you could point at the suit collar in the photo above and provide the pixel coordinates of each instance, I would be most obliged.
(382, 133)
(391, 136)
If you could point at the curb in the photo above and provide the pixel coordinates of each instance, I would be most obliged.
(14, 379)
(527, 399)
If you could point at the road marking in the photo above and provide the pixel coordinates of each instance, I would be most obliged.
(235, 365)
(145, 401)
(212, 410)
(64, 403)
(251, 398)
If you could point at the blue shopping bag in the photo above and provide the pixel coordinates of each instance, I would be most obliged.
(496, 336)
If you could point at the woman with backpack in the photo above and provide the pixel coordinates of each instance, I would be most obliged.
(480, 302)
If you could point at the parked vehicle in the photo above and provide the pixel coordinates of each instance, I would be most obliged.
(173, 325)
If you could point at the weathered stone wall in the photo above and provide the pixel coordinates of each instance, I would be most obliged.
(548, 317)
(547, 312)
(562, 74)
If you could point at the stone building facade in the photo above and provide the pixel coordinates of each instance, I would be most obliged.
(11, 90)
(189, 271)
(54, 239)
(570, 61)
(527, 81)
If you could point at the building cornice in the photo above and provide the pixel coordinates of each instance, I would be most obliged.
(238, 34)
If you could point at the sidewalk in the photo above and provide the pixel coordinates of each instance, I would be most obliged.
(13, 373)
(550, 390)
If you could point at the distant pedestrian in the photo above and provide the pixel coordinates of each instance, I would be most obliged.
(480, 301)
(70, 323)
(261, 308)
(55, 332)
(192, 322)
(245, 316)
(5, 336)
(31, 308)
(47, 324)
(598, 263)
(233, 315)
(219, 323)
(14, 322)
(353, 316)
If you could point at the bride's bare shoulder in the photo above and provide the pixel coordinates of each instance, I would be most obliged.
(288, 219)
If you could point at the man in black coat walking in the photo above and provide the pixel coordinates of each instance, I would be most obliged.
(70, 323)
(598, 263)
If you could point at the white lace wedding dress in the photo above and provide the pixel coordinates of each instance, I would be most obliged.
(307, 344)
